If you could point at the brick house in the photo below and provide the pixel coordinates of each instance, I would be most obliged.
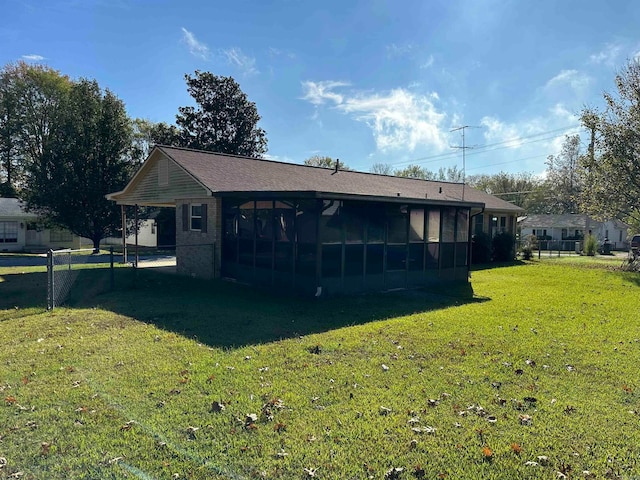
(309, 229)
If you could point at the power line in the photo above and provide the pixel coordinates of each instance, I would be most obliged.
(505, 144)
(510, 161)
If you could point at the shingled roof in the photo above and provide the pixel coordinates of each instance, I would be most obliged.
(221, 173)
(12, 207)
(568, 220)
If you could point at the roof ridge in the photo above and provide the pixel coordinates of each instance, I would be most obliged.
(244, 157)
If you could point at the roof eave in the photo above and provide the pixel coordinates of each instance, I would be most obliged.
(345, 196)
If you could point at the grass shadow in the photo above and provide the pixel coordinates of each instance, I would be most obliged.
(23, 290)
(222, 314)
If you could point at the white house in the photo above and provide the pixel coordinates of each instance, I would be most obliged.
(564, 230)
(21, 231)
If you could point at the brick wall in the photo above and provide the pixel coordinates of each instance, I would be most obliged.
(198, 252)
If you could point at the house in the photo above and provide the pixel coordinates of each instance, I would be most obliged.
(562, 231)
(147, 235)
(309, 229)
(13, 222)
(22, 231)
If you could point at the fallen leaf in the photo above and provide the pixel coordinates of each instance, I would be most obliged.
(310, 472)
(487, 453)
(525, 419)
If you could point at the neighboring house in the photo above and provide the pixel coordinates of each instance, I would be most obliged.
(147, 236)
(562, 231)
(21, 231)
(497, 218)
(13, 225)
(309, 229)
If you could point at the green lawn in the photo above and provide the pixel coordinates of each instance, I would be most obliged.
(534, 372)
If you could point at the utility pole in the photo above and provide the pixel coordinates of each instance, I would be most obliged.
(464, 149)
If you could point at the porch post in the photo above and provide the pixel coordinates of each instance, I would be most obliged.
(136, 230)
(124, 233)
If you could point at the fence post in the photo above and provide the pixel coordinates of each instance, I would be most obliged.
(50, 294)
(111, 277)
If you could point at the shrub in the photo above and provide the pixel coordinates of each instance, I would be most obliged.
(529, 244)
(590, 245)
(502, 247)
(480, 248)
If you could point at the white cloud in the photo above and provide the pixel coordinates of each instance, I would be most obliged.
(237, 58)
(608, 55)
(573, 78)
(428, 63)
(196, 47)
(318, 93)
(508, 135)
(33, 57)
(543, 132)
(399, 119)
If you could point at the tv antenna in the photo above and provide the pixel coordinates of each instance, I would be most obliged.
(464, 148)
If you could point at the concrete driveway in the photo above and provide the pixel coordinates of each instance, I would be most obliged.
(17, 260)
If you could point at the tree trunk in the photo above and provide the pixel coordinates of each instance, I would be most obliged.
(96, 245)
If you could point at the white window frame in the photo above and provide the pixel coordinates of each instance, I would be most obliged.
(193, 217)
(8, 232)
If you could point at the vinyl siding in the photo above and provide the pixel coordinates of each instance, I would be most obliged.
(146, 190)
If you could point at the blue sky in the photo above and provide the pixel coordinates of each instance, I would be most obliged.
(364, 81)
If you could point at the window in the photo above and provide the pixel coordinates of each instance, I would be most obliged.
(57, 235)
(8, 232)
(479, 224)
(195, 218)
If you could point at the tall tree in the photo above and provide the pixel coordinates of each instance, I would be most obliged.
(224, 120)
(563, 182)
(10, 129)
(30, 97)
(86, 157)
(147, 134)
(450, 174)
(522, 189)
(381, 169)
(611, 169)
(414, 171)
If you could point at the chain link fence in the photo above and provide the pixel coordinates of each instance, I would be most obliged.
(63, 267)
